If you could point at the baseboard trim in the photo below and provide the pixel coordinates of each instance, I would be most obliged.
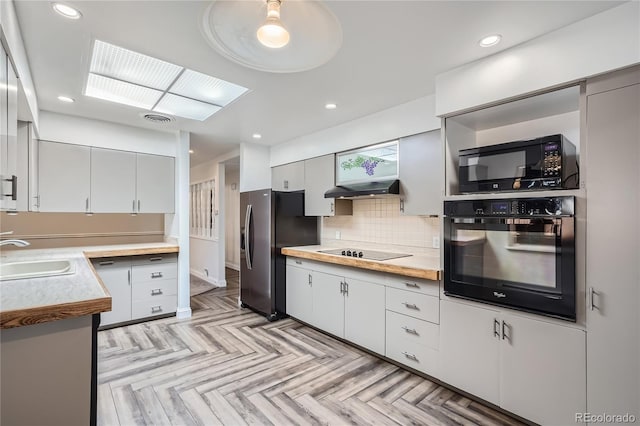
(234, 266)
(183, 313)
(203, 277)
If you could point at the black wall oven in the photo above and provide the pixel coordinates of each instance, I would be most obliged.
(518, 253)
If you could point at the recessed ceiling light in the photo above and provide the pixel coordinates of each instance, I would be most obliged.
(66, 99)
(257, 135)
(190, 151)
(490, 40)
(66, 11)
(331, 106)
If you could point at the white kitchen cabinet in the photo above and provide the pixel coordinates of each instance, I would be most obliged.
(533, 368)
(613, 243)
(412, 342)
(140, 286)
(328, 303)
(299, 293)
(8, 135)
(319, 177)
(115, 273)
(421, 174)
(155, 183)
(64, 177)
(364, 320)
(113, 181)
(288, 177)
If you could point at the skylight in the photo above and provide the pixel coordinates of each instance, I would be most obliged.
(131, 78)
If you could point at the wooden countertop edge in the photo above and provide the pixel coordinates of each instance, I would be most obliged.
(130, 252)
(48, 313)
(427, 274)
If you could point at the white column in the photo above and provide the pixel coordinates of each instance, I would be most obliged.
(180, 223)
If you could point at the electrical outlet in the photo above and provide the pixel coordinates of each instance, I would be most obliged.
(436, 242)
(337, 235)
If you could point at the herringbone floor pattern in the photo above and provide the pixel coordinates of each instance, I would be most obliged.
(229, 366)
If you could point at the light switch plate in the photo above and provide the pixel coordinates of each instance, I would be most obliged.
(337, 235)
(436, 242)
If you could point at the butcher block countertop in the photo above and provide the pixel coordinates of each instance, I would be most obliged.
(38, 300)
(416, 266)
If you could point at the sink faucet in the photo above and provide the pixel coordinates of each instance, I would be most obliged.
(17, 243)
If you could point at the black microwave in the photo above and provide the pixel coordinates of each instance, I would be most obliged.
(547, 162)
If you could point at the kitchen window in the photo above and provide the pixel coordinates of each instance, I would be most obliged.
(203, 214)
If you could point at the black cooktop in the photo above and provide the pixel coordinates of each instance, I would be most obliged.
(364, 254)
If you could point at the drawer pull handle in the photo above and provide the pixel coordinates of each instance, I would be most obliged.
(410, 356)
(409, 284)
(155, 259)
(411, 306)
(156, 309)
(410, 330)
(156, 275)
(106, 262)
(298, 262)
(156, 292)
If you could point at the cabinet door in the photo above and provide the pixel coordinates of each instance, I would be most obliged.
(421, 174)
(543, 371)
(469, 349)
(364, 314)
(319, 177)
(116, 276)
(155, 184)
(24, 201)
(613, 244)
(113, 181)
(288, 177)
(328, 303)
(64, 176)
(299, 293)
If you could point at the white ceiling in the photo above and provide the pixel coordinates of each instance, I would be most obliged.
(391, 52)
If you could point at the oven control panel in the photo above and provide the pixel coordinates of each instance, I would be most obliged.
(513, 207)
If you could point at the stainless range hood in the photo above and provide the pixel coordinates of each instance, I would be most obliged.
(386, 187)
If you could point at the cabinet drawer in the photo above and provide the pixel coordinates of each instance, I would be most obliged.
(412, 330)
(414, 284)
(412, 353)
(155, 306)
(416, 305)
(155, 272)
(154, 289)
(300, 263)
(152, 259)
(108, 263)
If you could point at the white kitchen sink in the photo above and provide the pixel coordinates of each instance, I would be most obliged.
(35, 269)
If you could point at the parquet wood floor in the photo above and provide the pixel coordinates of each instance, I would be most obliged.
(229, 366)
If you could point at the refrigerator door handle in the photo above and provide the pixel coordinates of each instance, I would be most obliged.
(247, 235)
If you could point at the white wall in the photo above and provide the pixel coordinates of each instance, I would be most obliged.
(406, 119)
(255, 172)
(603, 42)
(232, 219)
(84, 131)
(12, 38)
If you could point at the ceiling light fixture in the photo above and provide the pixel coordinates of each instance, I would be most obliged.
(66, 99)
(272, 33)
(257, 135)
(331, 106)
(66, 11)
(490, 40)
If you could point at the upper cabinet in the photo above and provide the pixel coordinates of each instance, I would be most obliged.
(551, 113)
(8, 134)
(77, 178)
(155, 184)
(64, 177)
(319, 177)
(421, 174)
(113, 181)
(288, 177)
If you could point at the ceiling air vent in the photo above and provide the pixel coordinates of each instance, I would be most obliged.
(157, 118)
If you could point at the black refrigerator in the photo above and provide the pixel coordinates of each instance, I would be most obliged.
(270, 220)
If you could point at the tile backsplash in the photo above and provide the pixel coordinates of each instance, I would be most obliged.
(378, 221)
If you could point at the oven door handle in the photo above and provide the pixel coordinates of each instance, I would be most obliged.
(506, 220)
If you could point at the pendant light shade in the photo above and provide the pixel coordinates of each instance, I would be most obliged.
(272, 33)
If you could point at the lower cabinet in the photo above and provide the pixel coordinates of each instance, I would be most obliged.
(530, 367)
(140, 286)
(364, 321)
(299, 293)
